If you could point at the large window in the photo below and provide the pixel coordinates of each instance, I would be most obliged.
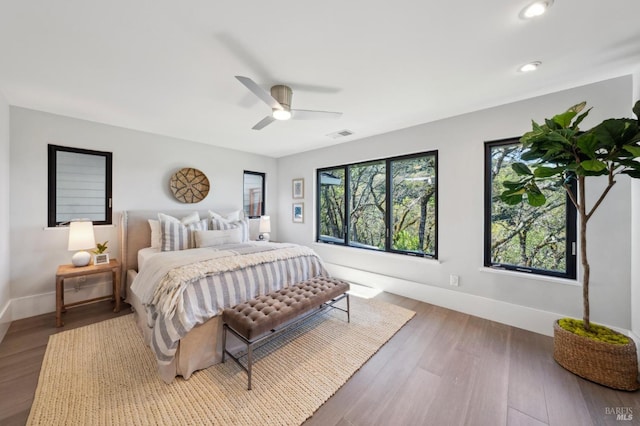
(79, 185)
(387, 205)
(538, 240)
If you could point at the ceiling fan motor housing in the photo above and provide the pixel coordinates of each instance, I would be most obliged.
(283, 95)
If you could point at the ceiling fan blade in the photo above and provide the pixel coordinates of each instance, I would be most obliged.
(303, 114)
(259, 92)
(264, 122)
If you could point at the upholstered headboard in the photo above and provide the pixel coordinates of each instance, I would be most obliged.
(135, 233)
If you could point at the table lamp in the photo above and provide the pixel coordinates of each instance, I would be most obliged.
(81, 239)
(265, 228)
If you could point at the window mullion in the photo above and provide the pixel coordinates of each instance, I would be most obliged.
(347, 211)
(388, 205)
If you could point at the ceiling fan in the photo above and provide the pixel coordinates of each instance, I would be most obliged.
(280, 102)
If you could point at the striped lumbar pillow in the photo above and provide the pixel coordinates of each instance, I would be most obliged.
(222, 224)
(178, 234)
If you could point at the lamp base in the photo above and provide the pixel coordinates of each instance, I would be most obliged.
(81, 258)
(264, 236)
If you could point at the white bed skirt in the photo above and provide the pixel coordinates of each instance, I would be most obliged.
(199, 349)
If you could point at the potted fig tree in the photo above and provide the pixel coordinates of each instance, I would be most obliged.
(559, 150)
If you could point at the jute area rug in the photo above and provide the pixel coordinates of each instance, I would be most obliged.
(103, 374)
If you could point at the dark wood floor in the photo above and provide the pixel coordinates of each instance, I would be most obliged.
(442, 368)
(22, 351)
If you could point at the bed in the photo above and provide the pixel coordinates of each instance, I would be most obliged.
(177, 295)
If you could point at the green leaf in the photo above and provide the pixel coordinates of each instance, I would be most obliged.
(580, 118)
(633, 173)
(544, 172)
(614, 132)
(632, 149)
(628, 162)
(551, 124)
(578, 107)
(535, 197)
(513, 185)
(588, 144)
(636, 109)
(521, 169)
(564, 119)
(511, 199)
(560, 136)
(530, 155)
(593, 165)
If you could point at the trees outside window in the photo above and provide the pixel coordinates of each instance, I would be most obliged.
(387, 205)
(521, 237)
(367, 205)
(414, 204)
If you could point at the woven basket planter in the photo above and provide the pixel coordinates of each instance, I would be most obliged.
(615, 366)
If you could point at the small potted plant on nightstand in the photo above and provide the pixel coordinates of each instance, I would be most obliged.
(99, 255)
(561, 152)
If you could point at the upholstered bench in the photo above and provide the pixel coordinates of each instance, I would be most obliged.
(266, 316)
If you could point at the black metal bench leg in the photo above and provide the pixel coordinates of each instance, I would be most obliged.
(249, 362)
(348, 309)
(224, 341)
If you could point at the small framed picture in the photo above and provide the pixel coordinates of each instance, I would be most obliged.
(298, 212)
(298, 188)
(100, 259)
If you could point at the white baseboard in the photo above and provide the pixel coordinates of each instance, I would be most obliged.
(524, 317)
(5, 319)
(30, 306)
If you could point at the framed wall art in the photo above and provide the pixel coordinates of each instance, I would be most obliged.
(298, 213)
(298, 188)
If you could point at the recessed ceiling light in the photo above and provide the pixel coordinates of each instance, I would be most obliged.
(535, 9)
(531, 66)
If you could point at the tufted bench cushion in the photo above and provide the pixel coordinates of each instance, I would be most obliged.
(262, 314)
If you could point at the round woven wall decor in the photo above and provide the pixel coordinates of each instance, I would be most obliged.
(189, 185)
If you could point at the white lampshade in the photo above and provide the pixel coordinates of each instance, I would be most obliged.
(81, 238)
(265, 228)
(265, 224)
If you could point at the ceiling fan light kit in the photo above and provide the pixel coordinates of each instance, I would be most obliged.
(282, 94)
(280, 102)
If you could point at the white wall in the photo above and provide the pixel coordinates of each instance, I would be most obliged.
(5, 289)
(460, 144)
(142, 166)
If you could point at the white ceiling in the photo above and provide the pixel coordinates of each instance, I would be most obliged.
(168, 67)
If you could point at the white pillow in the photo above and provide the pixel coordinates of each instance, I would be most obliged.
(229, 217)
(188, 219)
(178, 234)
(156, 233)
(219, 237)
(222, 224)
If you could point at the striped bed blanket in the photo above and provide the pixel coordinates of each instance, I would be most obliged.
(182, 289)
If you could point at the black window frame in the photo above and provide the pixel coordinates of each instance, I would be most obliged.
(388, 204)
(570, 223)
(52, 151)
(264, 184)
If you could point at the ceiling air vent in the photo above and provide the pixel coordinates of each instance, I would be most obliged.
(340, 134)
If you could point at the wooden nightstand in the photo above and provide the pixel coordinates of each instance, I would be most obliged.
(70, 271)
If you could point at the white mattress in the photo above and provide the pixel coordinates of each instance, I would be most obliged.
(145, 254)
